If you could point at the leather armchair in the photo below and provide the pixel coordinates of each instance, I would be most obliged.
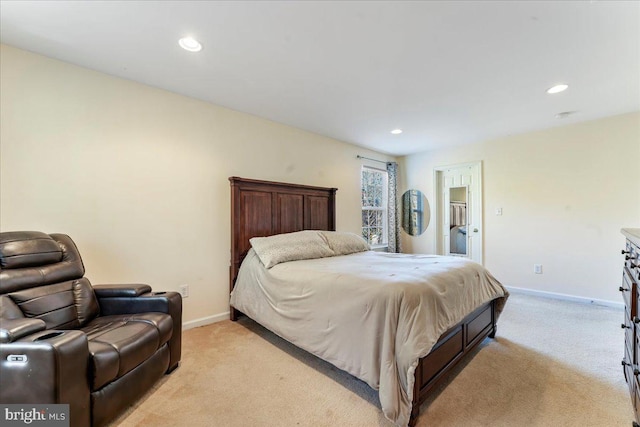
(62, 340)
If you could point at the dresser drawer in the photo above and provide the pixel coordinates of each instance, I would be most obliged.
(633, 350)
(636, 396)
(628, 369)
(629, 335)
(629, 292)
(632, 259)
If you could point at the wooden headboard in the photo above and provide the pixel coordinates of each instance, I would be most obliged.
(264, 208)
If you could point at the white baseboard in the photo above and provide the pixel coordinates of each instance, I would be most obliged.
(205, 321)
(565, 297)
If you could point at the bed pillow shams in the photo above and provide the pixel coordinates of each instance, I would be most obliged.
(306, 244)
(345, 243)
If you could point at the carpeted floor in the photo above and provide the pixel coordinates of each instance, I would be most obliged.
(553, 363)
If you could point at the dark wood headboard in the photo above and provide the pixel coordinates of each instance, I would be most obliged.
(265, 208)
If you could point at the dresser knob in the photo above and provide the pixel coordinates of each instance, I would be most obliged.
(636, 371)
(621, 289)
(632, 265)
(625, 252)
(636, 320)
(623, 326)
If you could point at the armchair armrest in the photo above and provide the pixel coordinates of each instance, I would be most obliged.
(133, 299)
(136, 298)
(133, 290)
(14, 329)
(49, 366)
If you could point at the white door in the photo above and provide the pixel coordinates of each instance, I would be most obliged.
(459, 210)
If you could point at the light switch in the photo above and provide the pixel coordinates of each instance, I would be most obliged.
(498, 211)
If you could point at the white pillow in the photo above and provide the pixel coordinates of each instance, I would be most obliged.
(342, 243)
(279, 248)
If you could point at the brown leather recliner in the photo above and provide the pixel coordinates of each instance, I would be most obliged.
(97, 349)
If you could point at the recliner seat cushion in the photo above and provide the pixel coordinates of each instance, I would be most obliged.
(119, 343)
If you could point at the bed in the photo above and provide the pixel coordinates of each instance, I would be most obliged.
(400, 351)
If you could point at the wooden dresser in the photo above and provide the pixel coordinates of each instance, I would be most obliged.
(631, 325)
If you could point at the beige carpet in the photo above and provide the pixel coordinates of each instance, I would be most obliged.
(553, 363)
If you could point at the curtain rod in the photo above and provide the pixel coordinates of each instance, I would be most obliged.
(373, 160)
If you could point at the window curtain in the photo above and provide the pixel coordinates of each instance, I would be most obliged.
(392, 211)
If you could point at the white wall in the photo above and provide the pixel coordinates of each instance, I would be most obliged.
(138, 176)
(565, 194)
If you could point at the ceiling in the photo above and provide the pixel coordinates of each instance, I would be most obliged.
(447, 73)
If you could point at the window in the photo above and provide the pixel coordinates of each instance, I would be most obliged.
(374, 206)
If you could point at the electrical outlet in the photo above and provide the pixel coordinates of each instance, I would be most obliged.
(537, 268)
(184, 291)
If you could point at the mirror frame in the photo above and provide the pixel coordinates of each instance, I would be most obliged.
(415, 225)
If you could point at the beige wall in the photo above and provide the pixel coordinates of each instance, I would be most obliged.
(565, 194)
(138, 176)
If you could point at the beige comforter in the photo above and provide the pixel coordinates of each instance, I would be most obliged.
(371, 314)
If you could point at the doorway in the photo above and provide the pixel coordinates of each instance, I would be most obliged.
(459, 210)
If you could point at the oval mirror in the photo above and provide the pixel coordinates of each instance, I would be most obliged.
(415, 212)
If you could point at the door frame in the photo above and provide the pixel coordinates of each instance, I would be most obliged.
(439, 203)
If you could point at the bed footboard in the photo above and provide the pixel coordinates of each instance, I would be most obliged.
(452, 346)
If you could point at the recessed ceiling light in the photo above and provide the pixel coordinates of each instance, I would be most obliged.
(565, 114)
(396, 131)
(190, 44)
(558, 88)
